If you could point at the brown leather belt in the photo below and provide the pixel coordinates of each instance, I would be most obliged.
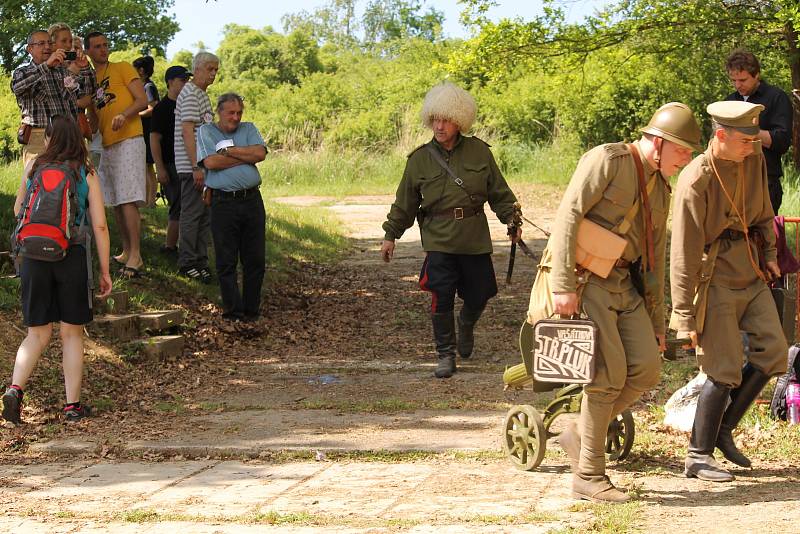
(731, 235)
(456, 213)
(622, 263)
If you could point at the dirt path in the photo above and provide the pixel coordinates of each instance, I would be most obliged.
(342, 366)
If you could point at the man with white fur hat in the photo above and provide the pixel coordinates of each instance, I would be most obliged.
(722, 254)
(445, 185)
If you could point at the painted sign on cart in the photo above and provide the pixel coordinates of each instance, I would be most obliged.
(563, 350)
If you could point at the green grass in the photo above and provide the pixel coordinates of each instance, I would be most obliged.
(292, 235)
(339, 174)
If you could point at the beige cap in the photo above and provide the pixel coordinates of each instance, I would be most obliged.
(742, 116)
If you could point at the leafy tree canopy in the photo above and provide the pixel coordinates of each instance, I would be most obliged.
(662, 28)
(382, 21)
(141, 22)
(267, 56)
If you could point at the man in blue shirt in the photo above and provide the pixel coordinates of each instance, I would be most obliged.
(229, 150)
(774, 123)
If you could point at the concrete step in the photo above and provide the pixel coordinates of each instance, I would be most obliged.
(115, 303)
(160, 348)
(115, 327)
(158, 321)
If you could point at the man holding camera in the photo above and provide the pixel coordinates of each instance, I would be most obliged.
(47, 86)
(229, 150)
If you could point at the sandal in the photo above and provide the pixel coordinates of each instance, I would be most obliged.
(130, 272)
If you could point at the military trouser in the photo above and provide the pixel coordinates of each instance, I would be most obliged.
(627, 363)
(752, 310)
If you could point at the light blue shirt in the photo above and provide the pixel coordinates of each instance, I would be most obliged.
(244, 176)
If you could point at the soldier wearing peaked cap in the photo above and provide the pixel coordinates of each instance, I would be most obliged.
(623, 189)
(444, 187)
(722, 255)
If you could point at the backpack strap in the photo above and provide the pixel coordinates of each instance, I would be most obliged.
(84, 229)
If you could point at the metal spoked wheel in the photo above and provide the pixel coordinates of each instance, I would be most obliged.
(524, 437)
(619, 439)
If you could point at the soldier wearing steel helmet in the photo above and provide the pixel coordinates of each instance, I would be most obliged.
(605, 190)
(449, 206)
(722, 223)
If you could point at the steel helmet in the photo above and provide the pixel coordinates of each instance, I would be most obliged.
(675, 122)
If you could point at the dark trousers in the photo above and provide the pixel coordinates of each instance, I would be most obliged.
(775, 192)
(471, 276)
(237, 227)
(193, 240)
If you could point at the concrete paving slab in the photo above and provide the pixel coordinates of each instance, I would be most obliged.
(210, 492)
(23, 478)
(466, 490)
(110, 487)
(105, 527)
(351, 489)
(37, 526)
(247, 433)
(479, 529)
(74, 446)
(171, 527)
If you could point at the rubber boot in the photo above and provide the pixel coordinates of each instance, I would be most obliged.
(466, 329)
(753, 381)
(444, 334)
(590, 482)
(700, 460)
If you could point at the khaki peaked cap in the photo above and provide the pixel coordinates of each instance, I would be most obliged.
(742, 116)
(675, 122)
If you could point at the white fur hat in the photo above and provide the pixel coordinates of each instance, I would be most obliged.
(448, 101)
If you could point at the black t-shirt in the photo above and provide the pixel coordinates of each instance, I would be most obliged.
(163, 122)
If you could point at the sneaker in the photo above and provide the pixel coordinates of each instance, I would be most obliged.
(205, 276)
(191, 273)
(73, 413)
(12, 406)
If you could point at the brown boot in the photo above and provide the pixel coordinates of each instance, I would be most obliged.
(596, 489)
(570, 441)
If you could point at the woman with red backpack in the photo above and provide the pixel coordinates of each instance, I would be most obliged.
(55, 269)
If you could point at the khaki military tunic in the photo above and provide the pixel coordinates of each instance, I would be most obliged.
(603, 189)
(426, 188)
(737, 298)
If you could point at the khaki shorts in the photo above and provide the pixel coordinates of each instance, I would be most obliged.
(34, 147)
(122, 172)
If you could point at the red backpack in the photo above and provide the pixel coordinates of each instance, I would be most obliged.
(45, 226)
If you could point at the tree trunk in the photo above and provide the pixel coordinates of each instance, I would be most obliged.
(794, 67)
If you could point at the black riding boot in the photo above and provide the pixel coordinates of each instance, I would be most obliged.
(700, 460)
(753, 381)
(444, 334)
(466, 327)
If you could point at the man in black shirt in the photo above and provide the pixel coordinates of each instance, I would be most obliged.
(775, 122)
(162, 137)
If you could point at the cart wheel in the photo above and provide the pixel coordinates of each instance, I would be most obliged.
(619, 439)
(524, 437)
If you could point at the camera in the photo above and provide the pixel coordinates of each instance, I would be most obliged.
(71, 55)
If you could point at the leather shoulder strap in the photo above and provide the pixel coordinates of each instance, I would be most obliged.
(648, 219)
(437, 157)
